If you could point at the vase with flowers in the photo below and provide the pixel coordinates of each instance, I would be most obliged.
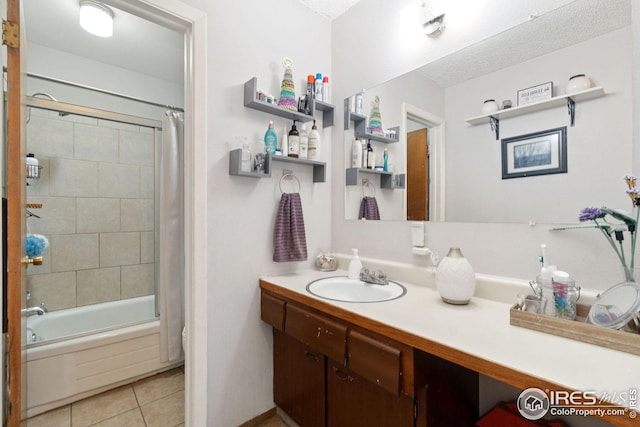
(614, 231)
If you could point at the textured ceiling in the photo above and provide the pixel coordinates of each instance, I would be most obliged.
(568, 25)
(329, 8)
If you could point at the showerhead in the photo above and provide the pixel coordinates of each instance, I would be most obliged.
(45, 95)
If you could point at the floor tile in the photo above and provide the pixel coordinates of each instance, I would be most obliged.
(60, 417)
(131, 418)
(165, 412)
(103, 406)
(159, 386)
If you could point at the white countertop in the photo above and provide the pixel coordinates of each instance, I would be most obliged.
(482, 329)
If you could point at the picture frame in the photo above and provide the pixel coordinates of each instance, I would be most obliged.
(538, 153)
(535, 93)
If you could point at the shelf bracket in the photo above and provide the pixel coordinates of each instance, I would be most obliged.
(495, 126)
(571, 105)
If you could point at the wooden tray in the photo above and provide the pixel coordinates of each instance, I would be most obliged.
(578, 329)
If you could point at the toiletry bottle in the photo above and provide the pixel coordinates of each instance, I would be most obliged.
(271, 139)
(318, 87)
(311, 92)
(325, 90)
(385, 156)
(294, 141)
(284, 146)
(356, 154)
(304, 143)
(32, 166)
(246, 162)
(359, 100)
(355, 265)
(363, 158)
(371, 158)
(313, 153)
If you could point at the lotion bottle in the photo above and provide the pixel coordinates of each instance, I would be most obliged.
(313, 152)
(356, 154)
(294, 141)
(271, 139)
(304, 143)
(355, 265)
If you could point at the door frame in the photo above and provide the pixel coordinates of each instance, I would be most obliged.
(435, 124)
(193, 22)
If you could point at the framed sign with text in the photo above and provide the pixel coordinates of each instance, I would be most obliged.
(535, 93)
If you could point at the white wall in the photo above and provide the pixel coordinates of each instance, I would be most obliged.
(598, 146)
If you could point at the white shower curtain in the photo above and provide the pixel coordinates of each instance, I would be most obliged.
(171, 237)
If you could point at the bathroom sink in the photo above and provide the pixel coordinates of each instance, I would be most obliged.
(341, 288)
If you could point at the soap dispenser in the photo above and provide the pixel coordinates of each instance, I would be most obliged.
(355, 265)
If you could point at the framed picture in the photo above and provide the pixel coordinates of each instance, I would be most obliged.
(535, 93)
(538, 153)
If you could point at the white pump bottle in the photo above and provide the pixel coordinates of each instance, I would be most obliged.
(355, 265)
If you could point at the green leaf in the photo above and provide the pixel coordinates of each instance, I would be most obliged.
(619, 214)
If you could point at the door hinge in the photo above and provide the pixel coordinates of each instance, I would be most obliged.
(10, 34)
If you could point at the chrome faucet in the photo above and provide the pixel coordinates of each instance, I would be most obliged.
(31, 311)
(377, 277)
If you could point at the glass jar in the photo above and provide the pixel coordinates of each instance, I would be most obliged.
(490, 106)
(565, 295)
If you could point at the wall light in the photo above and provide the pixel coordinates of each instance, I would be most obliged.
(433, 23)
(96, 18)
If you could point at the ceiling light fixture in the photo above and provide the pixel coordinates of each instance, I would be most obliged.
(435, 26)
(96, 18)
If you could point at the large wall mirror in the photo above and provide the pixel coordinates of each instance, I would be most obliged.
(461, 179)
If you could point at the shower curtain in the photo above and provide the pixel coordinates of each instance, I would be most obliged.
(171, 237)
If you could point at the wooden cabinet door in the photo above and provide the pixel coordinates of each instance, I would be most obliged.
(355, 402)
(298, 380)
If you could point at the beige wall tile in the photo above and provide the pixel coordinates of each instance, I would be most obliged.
(57, 215)
(74, 252)
(116, 180)
(137, 280)
(56, 290)
(137, 214)
(99, 285)
(136, 148)
(49, 138)
(73, 178)
(95, 143)
(147, 182)
(147, 247)
(118, 125)
(97, 215)
(119, 249)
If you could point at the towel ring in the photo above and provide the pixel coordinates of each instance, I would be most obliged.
(367, 183)
(288, 174)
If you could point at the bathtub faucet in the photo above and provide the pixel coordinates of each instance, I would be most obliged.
(30, 311)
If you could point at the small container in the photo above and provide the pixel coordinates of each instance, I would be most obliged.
(490, 106)
(565, 295)
(577, 83)
(325, 262)
(33, 166)
(506, 104)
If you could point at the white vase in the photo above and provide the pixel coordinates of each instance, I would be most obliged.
(490, 106)
(455, 278)
(578, 83)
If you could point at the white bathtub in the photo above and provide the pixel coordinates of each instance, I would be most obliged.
(86, 350)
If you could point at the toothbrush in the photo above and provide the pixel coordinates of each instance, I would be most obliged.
(543, 257)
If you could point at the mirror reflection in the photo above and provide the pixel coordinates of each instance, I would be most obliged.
(458, 174)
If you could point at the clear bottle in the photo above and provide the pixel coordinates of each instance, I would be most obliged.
(246, 160)
(318, 87)
(304, 143)
(359, 101)
(271, 139)
(355, 265)
(294, 141)
(313, 152)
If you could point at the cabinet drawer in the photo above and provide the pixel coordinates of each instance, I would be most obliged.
(272, 311)
(375, 361)
(319, 333)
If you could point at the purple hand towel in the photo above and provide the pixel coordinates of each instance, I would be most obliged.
(290, 242)
(369, 208)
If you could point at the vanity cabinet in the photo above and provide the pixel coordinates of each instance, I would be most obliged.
(330, 371)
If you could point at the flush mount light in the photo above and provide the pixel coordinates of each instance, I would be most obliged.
(96, 18)
(434, 27)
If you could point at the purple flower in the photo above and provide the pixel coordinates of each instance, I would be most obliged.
(588, 214)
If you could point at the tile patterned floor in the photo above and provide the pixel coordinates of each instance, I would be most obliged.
(157, 401)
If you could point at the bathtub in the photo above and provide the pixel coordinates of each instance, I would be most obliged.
(75, 353)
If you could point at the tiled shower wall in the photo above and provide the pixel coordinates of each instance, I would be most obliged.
(97, 193)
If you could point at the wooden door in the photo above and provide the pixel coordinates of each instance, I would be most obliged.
(298, 380)
(15, 222)
(417, 176)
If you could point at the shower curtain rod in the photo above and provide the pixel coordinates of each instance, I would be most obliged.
(107, 92)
